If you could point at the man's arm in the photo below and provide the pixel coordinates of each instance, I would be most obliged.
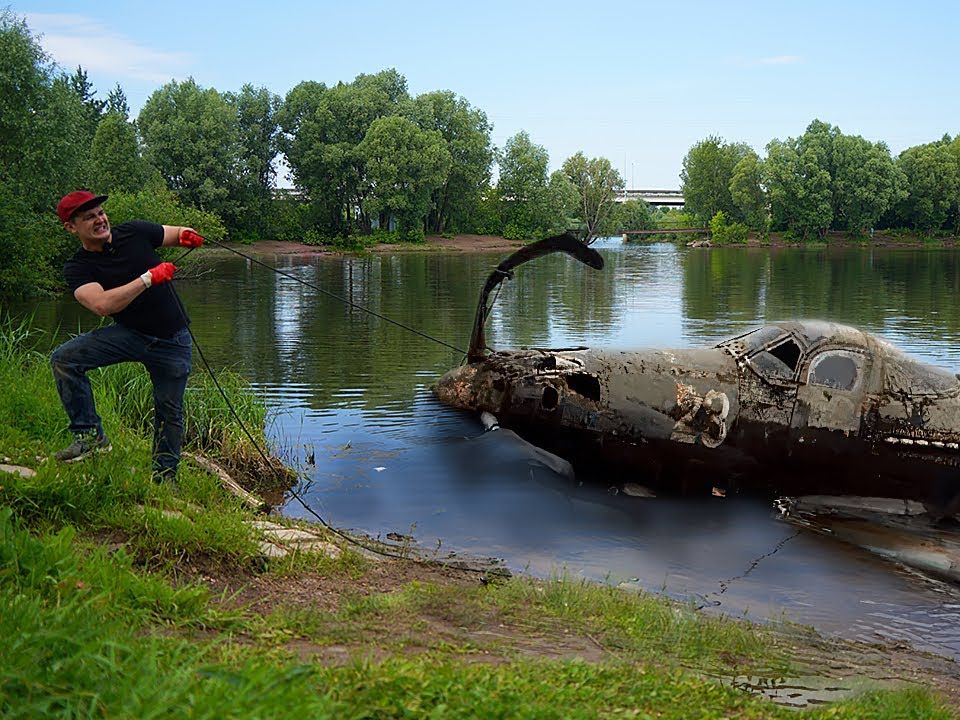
(171, 234)
(107, 302)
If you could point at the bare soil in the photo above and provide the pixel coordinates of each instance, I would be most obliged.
(493, 636)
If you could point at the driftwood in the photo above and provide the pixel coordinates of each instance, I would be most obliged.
(228, 482)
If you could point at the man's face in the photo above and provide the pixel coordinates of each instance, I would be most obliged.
(90, 225)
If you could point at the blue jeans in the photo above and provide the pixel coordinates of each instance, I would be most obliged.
(167, 361)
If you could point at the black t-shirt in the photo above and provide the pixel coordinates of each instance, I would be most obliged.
(129, 254)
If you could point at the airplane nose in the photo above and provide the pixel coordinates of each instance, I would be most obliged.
(455, 387)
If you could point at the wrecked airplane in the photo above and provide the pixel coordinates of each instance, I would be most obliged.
(791, 408)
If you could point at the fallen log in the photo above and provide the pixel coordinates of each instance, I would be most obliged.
(228, 483)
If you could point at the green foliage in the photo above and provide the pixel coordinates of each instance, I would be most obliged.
(634, 215)
(486, 218)
(799, 187)
(866, 182)
(52, 141)
(256, 119)
(213, 149)
(405, 165)
(748, 193)
(532, 204)
(674, 218)
(724, 232)
(30, 242)
(289, 218)
(825, 179)
(932, 174)
(117, 102)
(115, 158)
(466, 132)
(92, 107)
(597, 185)
(42, 121)
(322, 131)
(159, 205)
(707, 171)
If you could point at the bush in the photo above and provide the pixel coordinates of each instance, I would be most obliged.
(725, 233)
(289, 218)
(31, 245)
(159, 205)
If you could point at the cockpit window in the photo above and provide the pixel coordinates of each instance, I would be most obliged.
(788, 353)
(838, 369)
(778, 362)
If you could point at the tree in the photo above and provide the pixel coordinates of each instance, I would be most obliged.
(466, 132)
(117, 102)
(523, 187)
(748, 193)
(597, 184)
(705, 178)
(42, 149)
(933, 185)
(115, 160)
(799, 187)
(866, 182)
(256, 116)
(405, 165)
(191, 136)
(322, 128)
(41, 157)
(635, 215)
(93, 108)
(561, 205)
(954, 148)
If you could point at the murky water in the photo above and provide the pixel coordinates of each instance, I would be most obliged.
(352, 392)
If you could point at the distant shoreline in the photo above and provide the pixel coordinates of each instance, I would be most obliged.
(837, 239)
(432, 243)
(494, 243)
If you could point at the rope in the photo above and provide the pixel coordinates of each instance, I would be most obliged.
(340, 298)
(259, 449)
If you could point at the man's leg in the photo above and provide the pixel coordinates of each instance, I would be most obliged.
(169, 364)
(70, 363)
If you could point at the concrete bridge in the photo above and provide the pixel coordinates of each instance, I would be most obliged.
(657, 198)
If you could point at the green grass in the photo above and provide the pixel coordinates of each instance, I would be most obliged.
(104, 612)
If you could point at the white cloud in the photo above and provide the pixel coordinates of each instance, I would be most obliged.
(779, 60)
(79, 40)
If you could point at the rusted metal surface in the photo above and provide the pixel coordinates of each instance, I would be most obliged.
(793, 408)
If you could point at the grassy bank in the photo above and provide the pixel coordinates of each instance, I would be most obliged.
(123, 599)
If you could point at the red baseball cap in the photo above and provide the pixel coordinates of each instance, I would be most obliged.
(72, 203)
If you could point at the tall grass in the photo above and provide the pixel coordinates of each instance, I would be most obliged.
(124, 397)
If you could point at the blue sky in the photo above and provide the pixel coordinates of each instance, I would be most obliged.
(636, 82)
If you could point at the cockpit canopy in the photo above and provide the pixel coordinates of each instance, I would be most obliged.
(779, 351)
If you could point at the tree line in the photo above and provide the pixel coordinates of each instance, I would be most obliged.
(365, 158)
(821, 181)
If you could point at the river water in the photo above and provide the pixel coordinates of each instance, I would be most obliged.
(351, 407)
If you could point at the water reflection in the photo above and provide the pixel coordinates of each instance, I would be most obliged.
(354, 391)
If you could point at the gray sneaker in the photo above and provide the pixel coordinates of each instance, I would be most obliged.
(84, 444)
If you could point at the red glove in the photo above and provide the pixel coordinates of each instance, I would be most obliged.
(189, 238)
(160, 274)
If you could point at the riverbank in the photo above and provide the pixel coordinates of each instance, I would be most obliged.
(432, 243)
(494, 243)
(122, 598)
